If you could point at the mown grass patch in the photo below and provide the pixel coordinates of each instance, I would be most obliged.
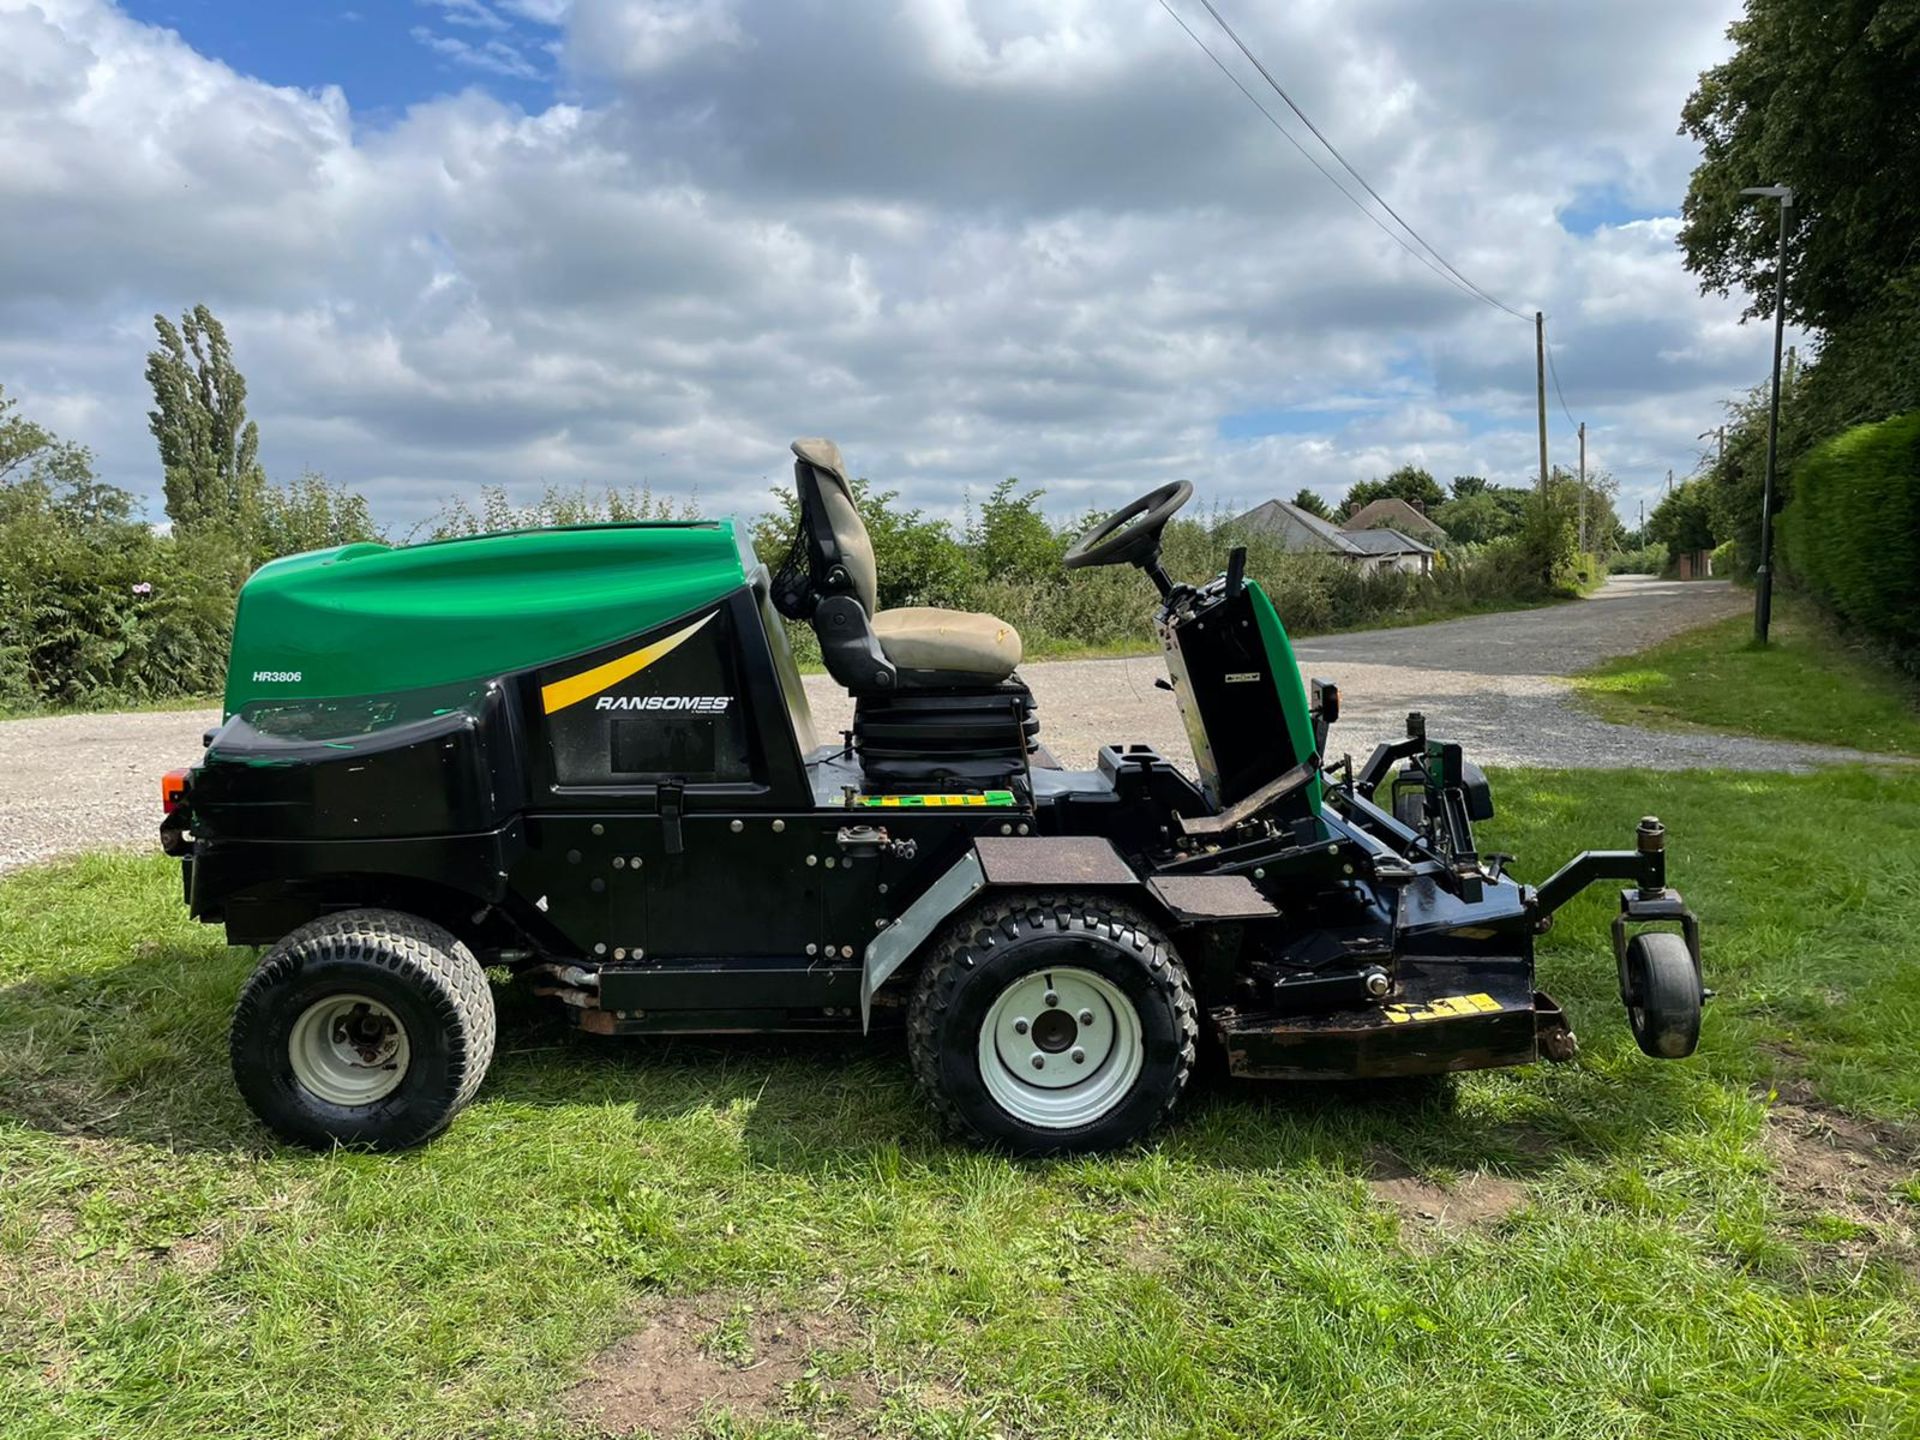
(1807, 684)
(1276, 1264)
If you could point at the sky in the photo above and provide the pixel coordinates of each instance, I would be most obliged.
(622, 242)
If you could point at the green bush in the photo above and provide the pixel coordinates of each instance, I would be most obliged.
(107, 612)
(1851, 537)
(1645, 560)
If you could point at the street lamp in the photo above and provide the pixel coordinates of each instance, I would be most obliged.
(1763, 577)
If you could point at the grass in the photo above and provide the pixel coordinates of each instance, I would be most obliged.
(165, 1271)
(1808, 684)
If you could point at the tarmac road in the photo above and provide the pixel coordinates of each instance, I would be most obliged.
(1495, 683)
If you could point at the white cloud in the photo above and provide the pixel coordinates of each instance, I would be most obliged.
(495, 57)
(471, 13)
(968, 239)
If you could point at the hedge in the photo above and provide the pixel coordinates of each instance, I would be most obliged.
(1851, 537)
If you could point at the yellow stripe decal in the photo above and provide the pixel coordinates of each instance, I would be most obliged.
(575, 688)
(890, 802)
(1445, 1008)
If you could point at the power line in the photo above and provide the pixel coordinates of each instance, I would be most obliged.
(1280, 90)
(1554, 371)
(1462, 285)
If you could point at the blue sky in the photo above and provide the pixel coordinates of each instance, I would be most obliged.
(603, 242)
(385, 54)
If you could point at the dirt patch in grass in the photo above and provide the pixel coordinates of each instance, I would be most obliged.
(1845, 1180)
(1475, 1198)
(712, 1355)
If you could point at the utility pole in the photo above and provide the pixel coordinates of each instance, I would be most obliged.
(1669, 481)
(1583, 487)
(1540, 382)
(1763, 576)
(1643, 522)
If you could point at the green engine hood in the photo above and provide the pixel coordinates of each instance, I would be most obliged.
(375, 619)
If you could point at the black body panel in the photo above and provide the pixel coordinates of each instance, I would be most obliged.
(430, 763)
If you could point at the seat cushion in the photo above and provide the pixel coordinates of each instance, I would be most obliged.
(959, 642)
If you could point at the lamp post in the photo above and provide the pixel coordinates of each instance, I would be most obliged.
(1763, 577)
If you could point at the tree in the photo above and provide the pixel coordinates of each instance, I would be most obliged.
(1820, 95)
(20, 439)
(1012, 539)
(1311, 503)
(1409, 483)
(1477, 518)
(40, 470)
(208, 447)
(1682, 521)
(311, 514)
(1464, 485)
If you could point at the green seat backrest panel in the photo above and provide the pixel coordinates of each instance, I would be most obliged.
(374, 619)
(1292, 687)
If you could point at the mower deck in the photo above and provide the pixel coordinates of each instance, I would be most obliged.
(1445, 1014)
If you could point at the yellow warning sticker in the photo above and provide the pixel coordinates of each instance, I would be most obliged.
(999, 798)
(1448, 1007)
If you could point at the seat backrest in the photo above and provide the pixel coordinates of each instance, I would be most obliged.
(836, 536)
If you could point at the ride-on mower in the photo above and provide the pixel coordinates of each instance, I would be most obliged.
(585, 755)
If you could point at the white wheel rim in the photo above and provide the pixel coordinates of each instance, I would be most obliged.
(348, 1050)
(1062, 1065)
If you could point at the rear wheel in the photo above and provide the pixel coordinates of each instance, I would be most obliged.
(370, 1027)
(1663, 995)
(1053, 1023)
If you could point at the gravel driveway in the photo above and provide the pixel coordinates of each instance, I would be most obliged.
(1493, 682)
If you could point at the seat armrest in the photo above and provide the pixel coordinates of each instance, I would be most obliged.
(849, 648)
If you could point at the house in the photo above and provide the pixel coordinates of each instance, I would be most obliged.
(1396, 514)
(1390, 550)
(1369, 550)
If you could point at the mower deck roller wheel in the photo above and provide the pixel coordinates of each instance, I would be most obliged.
(369, 1028)
(1663, 995)
(1053, 1023)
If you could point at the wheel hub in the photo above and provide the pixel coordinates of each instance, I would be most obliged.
(1060, 1048)
(348, 1050)
(1054, 1031)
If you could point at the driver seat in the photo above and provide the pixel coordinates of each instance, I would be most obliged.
(868, 650)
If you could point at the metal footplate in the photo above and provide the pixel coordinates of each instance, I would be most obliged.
(1445, 1014)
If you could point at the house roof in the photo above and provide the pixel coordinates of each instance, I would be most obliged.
(1388, 542)
(1299, 529)
(1394, 514)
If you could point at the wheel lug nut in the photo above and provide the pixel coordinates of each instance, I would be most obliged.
(1039, 1061)
(1020, 1026)
(1052, 999)
(1079, 1057)
(1086, 1017)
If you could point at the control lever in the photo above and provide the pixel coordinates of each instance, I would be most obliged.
(1236, 571)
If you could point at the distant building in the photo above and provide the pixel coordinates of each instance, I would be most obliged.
(1390, 550)
(1372, 550)
(1395, 514)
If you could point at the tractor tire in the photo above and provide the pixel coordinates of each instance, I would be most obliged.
(1047, 1024)
(1663, 995)
(1410, 808)
(369, 1028)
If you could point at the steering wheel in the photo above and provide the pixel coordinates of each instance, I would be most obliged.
(1131, 535)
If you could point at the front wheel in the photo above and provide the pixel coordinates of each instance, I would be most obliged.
(1663, 995)
(370, 1027)
(1053, 1023)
